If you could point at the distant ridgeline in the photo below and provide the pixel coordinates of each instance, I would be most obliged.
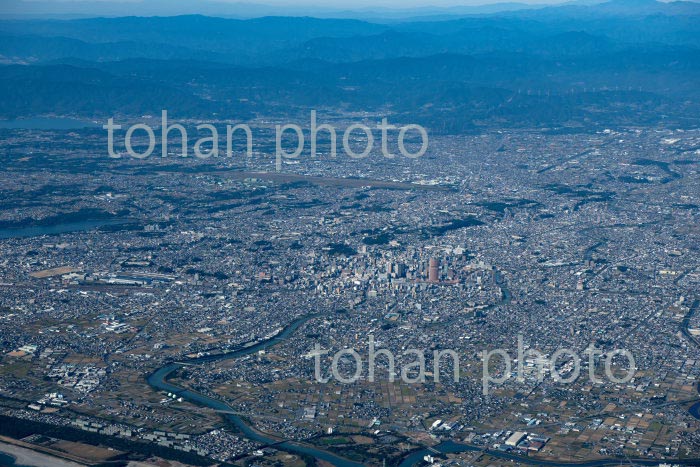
(620, 63)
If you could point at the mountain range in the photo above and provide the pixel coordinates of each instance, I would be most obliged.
(626, 62)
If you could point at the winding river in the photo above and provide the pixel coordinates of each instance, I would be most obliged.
(159, 381)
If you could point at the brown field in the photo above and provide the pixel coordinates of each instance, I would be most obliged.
(52, 272)
(85, 451)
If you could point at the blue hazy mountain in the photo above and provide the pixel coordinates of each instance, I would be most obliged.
(618, 62)
(91, 8)
(39, 8)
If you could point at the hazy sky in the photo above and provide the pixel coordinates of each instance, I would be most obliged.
(322, 3)
(404, 3)
(246, 8)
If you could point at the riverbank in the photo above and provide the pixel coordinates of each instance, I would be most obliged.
(158, 380)
(24, 457)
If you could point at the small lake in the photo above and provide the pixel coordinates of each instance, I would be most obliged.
(37, 231)
(46, 124)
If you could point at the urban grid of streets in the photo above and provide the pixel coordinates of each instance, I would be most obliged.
(566, 239)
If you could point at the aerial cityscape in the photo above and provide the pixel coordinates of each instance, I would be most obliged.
(345, 237)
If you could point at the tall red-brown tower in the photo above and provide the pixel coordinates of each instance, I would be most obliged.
(433, 267)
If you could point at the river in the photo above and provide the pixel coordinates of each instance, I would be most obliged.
(7, 460)
(158, 380)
